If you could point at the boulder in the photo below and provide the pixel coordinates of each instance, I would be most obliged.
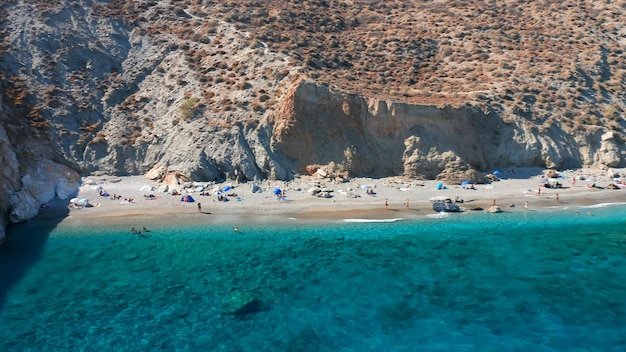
(41, 182)
(552, 173)
(156, 173)
(240, 302)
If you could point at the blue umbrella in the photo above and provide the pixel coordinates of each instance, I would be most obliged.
(277, 191)
(496, 172)
(465, 183)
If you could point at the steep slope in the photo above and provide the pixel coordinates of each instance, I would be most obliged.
(270, 89)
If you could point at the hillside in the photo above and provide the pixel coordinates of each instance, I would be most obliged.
(272, 89)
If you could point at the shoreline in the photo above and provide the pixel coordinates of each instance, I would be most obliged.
(349, 200)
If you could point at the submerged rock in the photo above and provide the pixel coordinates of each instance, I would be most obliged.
(240, 302)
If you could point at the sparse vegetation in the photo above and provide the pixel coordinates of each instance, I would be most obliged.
(188, 108)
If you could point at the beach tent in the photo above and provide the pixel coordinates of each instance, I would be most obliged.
(440, 185)
(79, 202)
(187, 198)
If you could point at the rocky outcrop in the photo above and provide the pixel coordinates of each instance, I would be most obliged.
(317, 125)
(30, 175)
(41, 182)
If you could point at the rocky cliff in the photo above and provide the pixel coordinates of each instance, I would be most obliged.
(148, 87)
(380, 138)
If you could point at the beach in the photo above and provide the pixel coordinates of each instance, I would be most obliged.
(517, 190)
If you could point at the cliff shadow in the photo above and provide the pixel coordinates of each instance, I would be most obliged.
(25, 244)
(522, 173)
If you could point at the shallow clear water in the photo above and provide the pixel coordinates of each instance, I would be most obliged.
(537, 281)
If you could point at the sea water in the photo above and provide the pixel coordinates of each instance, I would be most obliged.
(522, 281)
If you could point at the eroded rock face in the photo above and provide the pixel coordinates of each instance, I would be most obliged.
(381, 138)
(43, 181)
(29, 174)
(9, 177)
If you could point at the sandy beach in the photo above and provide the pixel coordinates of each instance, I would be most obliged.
(348, 200)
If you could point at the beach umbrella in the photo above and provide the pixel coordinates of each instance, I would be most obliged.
(74, 200)
(277, 191)
(440, 185)
(465, 183)
(496, 172)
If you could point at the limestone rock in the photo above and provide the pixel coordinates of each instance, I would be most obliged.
(156, 173)
(609, 153)
(42, 182)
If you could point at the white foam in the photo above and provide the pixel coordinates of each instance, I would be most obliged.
(373, 220)
(603, 205)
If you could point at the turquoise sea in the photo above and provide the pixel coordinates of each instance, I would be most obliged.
(536, 281)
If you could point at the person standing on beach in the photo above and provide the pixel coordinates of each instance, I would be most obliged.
(386, 204)
(407, 203)
(199, 207)
(526, 205)
(556, 198)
